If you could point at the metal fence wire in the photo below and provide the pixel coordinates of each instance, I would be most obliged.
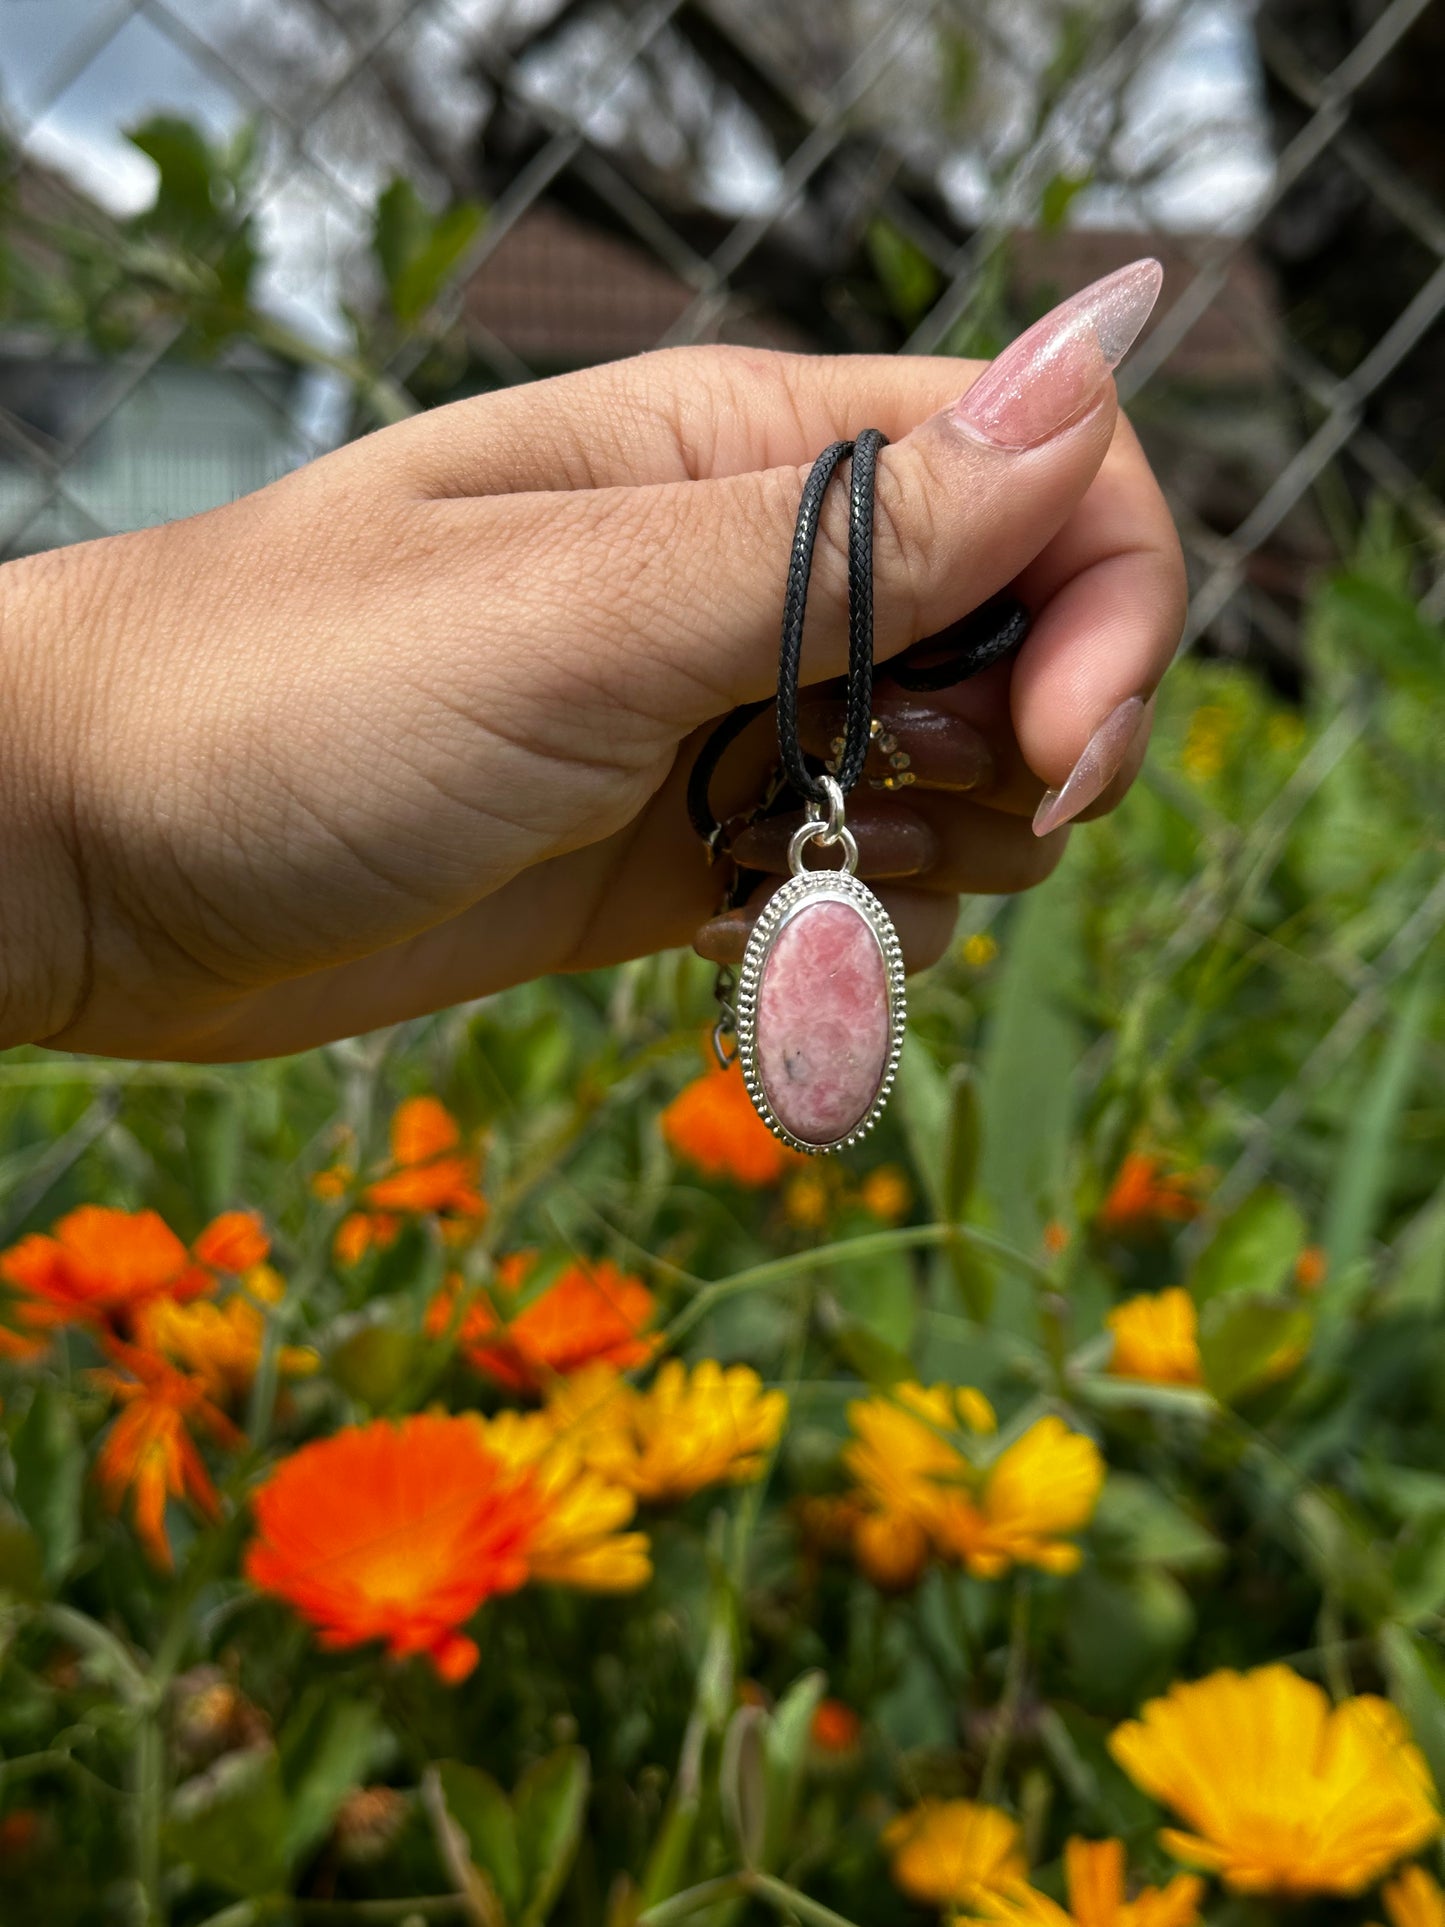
(565, 181)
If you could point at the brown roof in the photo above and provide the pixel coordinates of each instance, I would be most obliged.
(558, 293)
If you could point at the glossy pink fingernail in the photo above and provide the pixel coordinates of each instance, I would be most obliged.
(1048, 377)
(1101, 761)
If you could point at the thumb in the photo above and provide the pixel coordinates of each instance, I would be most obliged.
(964, 502)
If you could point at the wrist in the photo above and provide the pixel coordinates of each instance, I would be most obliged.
(44, 948)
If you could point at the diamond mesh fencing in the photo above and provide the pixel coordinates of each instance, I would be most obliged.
(237, 233)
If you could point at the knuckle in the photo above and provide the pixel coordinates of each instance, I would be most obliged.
(905, 538)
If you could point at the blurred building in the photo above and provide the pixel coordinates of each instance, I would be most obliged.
(92, 445)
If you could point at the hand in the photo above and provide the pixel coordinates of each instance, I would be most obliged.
(415, 722)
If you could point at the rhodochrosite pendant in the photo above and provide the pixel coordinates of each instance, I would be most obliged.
(820, 1009)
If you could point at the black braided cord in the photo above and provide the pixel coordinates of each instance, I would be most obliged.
(969, 646)
(795, 607)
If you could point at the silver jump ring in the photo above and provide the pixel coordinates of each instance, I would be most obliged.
(816, 832)
(833, 822)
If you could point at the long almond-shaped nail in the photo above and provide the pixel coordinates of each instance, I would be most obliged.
(1049, 377)
(1102, 759)
(724, 938)
(915, 743)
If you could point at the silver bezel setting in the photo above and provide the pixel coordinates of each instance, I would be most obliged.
(800, 892)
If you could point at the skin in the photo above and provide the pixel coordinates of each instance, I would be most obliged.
(414, 723)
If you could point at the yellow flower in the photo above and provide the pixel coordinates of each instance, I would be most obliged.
(952, 1853)
(808, 1200)
(221, 1343)
(578, 1541)
(901, 1452)
(1285, 731)
(1015, 1511)
(1044, 1486)
(710, 1426)
(1413, 1899)
(1286, 1794)
(979, 950)
(1156, 1338)
(1210, 729)
(1094, 1871)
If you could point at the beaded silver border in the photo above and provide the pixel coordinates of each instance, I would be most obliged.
(799, 892)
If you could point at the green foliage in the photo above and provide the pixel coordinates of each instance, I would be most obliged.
(417, 250)
(520, 1849)
(1234, 979)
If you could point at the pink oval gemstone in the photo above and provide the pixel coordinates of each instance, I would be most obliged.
(822, 1024)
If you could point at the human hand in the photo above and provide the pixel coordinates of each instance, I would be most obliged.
(415, 722)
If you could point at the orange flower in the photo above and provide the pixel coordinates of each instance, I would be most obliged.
(836, 1727)
(1056, 1238)
(711, 1124)
(432, 1525)
(99, 1266)
(21, 1349)
(886, 1194)
(1311, 1268)
(430, 1175)
(1142, 1195)
(149, 1451)
(590, 1314)
(234, 1242)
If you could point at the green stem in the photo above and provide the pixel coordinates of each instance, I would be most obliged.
(87, 1633)
(424, 1907)
(991, 1784)
(913, 1237)
(692, 1900)
(787, 1900)
(148, 1793)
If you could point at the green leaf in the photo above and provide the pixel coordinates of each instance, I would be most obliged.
(1058, 197)
(49, 1465)
(1124, 1631)
(1364, 1166)
(1032, 1045)
(876, 1362)
(786, 1742)
(229, 1823)
(214, 1133)
(185, 200)
(327, 1747)
(1417, 1280)
(551, 1805)
(1138, 1524)
(1416, 1677)
(417, 250)
(1386, 626)
(1253, 1250)
(484, 1814)
(941, 1120)
(1345, 1555)
(906, 275)
(22, 1561)
(1247, 1343)
(878, 1294)
(742, 1783)
(373, 1364)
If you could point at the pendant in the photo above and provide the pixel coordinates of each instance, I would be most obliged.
(820, 999)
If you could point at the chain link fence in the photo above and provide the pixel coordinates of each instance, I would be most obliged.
(401, 201)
